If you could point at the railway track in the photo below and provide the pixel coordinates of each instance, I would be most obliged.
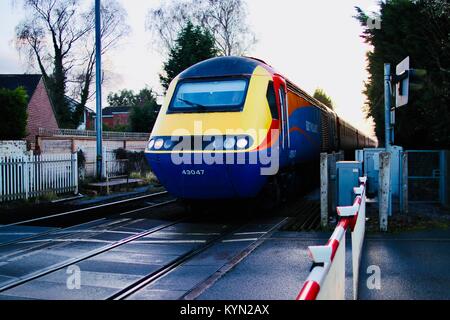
(129, 254)
(306, 216)
(90, 254)
(83, 210)
(205, 238)
(72, 218)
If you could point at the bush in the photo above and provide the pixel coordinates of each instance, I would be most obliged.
(116, 128)
(137, 161)
(13, 108)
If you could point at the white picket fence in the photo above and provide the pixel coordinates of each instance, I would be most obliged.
(28, 176)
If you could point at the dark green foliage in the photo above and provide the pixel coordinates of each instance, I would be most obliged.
(56, 85)
(419, 29)
(193, 45)
(320, 95)
(117, 128)
(136, 160)
(81, 159)
(124, 98)
(144, 112)
(144, 109)
(127, 98)
(13, 108)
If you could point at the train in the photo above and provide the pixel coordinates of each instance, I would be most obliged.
(231, 126)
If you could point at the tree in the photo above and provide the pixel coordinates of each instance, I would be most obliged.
(224, 19)
(320, 95)
(127, 98)
(124, 98)
(193, 45)
(112, 30)
(144, 112)
(58, 35)
(144, 108)
(13, 107)
(418, 29)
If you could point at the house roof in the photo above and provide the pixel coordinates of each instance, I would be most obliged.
(13, 81)
(109, 111)
(73, 104)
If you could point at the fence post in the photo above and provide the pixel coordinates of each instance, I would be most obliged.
(104, 173)
(404, 199)
(384, 193)
(324, 189)
(26, 177)
(75, 170)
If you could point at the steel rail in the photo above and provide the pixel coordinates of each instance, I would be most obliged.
(145, 281)
(85, 209)
(64, 232)
(198, 289)
(154, 276)
(90, 254)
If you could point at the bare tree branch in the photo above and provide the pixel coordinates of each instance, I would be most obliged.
(60, 36)
(225, 19)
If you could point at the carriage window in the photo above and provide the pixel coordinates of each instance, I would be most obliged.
(272, 101)
(282, 99)
(209, 96)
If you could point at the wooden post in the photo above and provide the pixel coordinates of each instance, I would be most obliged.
(73, 146)
(404, 207)
(324, 190)
(384, 193)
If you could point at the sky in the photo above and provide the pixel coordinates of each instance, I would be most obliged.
(314, 43)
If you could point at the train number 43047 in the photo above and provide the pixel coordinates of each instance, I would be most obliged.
(193, 172)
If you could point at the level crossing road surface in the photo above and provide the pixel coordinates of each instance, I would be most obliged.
(412, 265)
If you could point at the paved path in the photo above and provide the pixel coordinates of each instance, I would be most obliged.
(414, 266)
(276, 270)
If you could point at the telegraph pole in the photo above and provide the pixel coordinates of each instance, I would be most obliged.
(98, 79)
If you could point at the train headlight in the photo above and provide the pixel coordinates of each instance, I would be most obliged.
(159, 144)
(229, 143)
(151, 144)
(168, 144)
(218, 144)
(242, 143)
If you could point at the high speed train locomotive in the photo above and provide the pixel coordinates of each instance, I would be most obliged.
(230, 125)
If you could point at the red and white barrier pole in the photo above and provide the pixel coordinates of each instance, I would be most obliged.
(324, 256)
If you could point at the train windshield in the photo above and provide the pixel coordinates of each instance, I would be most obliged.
(209, 96)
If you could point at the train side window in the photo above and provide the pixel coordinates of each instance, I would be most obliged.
(272, 101)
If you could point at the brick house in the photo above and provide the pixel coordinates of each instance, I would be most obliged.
(41, 113)
(115, 116)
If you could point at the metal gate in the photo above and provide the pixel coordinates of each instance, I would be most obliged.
(427, 176)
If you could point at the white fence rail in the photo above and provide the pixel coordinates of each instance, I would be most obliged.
(93, 134)
(327, 278)
(28, 176)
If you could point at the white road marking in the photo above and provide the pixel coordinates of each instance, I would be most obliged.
(240, 240)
